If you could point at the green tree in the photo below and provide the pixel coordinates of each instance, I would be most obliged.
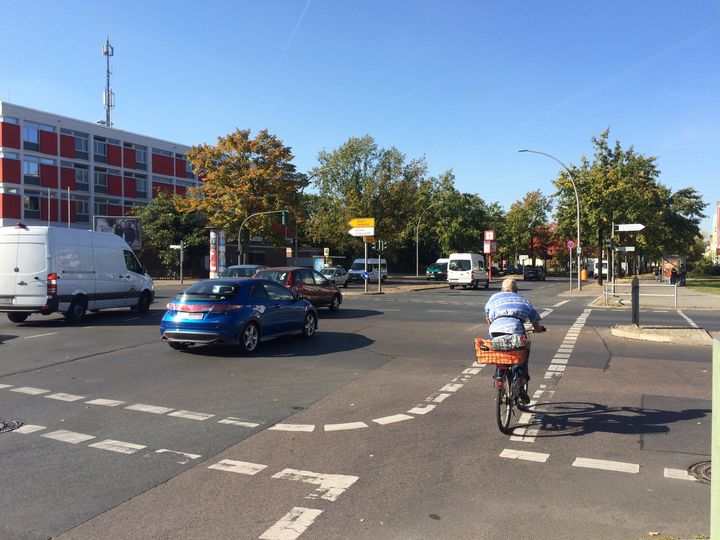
(526, 220)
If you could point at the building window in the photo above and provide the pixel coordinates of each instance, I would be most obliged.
(81, 211)
(100, 207)
(31, 170)
(9, 120)
(81, 178)
(81, 146)
(100, 182)
(159, 152)
(31, 136)
(100, 149)
(31, 205)
(9, 155)
(141, 157)
(189, 170)
(141, 185)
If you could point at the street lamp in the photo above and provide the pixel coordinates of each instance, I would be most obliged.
(241, 255)
(302, 192)
(417, 238)
(577, 203)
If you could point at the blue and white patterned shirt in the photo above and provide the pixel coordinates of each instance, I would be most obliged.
(508, 311)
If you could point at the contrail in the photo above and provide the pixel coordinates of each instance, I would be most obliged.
(297, 26)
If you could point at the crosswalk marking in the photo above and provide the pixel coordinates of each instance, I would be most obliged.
(105, 402)
(30, 390)
(239, 467)
(68, 436)
(117, 446)
(29, 428)
(148, 408)
(524, 455)
(238, 422)
(619, 466)
(65, 397)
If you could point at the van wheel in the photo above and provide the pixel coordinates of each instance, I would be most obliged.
(17, 317)
(452, 287)
(143, 305)
(77, 311)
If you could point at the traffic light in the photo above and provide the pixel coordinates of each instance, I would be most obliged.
(284, 217)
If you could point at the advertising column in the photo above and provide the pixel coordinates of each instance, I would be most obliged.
(214, 251)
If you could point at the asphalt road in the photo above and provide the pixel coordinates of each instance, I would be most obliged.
(381, 426)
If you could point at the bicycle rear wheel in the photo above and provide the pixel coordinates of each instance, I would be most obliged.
(504, 403)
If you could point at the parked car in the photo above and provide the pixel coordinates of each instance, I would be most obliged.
(241, 270)
(437, 271)
(242, 311)
(338, 276)
(309, 283)
(533, 272)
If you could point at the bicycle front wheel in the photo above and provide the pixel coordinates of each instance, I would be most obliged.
(504, 404)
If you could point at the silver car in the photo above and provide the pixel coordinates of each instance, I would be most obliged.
(338, 276)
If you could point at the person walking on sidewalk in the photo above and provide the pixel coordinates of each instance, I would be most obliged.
(507, 312)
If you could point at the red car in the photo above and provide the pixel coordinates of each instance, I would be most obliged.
(312, 285)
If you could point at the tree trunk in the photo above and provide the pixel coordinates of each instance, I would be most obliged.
(601, 249)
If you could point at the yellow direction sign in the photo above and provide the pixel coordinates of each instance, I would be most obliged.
(362, 222)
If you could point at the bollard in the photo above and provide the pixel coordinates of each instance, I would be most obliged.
(635, 296)
(715, 443)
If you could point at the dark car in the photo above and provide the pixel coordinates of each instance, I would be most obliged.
(239, 311)
(241, 270)
(436, 271)
(533, 273)
(310, 284)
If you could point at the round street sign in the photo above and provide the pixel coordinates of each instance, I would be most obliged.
(570, 244)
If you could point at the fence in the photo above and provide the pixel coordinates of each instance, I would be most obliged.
(611, 290)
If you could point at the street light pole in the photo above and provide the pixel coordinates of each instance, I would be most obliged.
(302, 192)
(417, 238)
(241, 255)
(577, 204)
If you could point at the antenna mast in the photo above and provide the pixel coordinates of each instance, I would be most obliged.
(108, 95)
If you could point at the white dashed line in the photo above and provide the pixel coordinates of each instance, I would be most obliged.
(527, 456)
(239, 467)
(440, 398)
(618, 466)
(105, 402)
(451, 387)
(68, 436)
(30, 390)
(29, 428)
(238, 422)
(331, 485)
(679, 474)
(148, 408)
(117, 446)
(65, 397)
(292, 524)
(348, 425)
(392, 419)
(422, 409)
(191, 415)
(293, 427)
(5, 386)
(561, 303)
(472, 371)
(41, 335)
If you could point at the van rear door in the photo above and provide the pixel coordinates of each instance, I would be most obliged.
(23, 268)
(8, 263)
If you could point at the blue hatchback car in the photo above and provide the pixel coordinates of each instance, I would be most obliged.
(238, 311)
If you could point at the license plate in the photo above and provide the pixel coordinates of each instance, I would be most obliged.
(191, 316)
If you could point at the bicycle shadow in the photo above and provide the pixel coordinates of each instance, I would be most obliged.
(572, 419)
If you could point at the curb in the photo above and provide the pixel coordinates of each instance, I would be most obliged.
(678, 336)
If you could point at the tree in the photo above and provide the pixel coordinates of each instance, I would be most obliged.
(242, 176)
(526, 220)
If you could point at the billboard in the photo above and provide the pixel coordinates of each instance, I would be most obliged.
(127, 227)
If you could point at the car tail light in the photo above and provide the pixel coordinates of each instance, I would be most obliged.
(203, 308)
(224, 308)
(290, 280)
(52, 285)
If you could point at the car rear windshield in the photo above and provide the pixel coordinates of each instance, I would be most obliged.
(459, 265)
(211, 290)
(238, 272)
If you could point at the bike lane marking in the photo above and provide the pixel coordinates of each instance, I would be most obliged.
(688, 319)
(524, 455)
(618, 466)
(292, 524)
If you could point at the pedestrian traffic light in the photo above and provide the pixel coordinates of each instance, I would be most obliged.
(284, 218)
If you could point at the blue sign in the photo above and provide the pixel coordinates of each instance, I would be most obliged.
(365, 275)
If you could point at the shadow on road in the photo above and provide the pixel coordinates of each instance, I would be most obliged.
(343, 313)
(571, 419)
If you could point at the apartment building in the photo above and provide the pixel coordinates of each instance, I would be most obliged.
(46, 158)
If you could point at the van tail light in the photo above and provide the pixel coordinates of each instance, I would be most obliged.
(52, 285)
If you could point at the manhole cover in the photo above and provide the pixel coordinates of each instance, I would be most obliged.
(9, 425)
(701, 471)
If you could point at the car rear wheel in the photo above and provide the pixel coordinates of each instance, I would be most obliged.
(250, 337)
(335, 304)
(309, 325)
(17, 317)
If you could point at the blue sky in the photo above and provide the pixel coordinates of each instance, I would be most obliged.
(465, 84)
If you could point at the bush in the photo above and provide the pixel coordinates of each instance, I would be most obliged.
(704, 267)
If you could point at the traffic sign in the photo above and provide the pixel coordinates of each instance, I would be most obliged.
(362, 222)
(368, 239)
(625, 249)
(570, 244)
(365, 275)
(362, 231)
(326, 252)
(489, 247)
(489, 236)
(175, 246)
(630, 227)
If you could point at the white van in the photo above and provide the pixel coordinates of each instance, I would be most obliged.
(54, 269)
(358, 267)
(467, 270)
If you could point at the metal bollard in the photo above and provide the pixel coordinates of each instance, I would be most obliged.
(635, 296)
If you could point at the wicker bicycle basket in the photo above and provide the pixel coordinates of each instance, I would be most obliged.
(484, 354)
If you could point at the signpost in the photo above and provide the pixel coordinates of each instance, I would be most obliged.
(489, 247)
(570, 246)
(364, 227)
(181, 247)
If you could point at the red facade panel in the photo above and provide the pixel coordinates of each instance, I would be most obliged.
(114, 185)
(114, 155)
(163, 165)
(48, 176)
(114, 210)
(10, 205)
(64, 211)
(165, 188)
(67, 146)
(10, 170)
(48, 143)
(129, 158)
(180, 190)
(180, 165)
(130, 188)
(44, 209)
(9, 135)
(67, 178)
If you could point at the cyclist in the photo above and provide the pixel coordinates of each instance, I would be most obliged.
(506, 312)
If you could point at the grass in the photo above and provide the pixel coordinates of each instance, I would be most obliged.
(710, 284)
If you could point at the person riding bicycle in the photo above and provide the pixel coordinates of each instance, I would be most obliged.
(507, 312)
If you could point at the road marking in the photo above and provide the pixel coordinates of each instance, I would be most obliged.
(117, 446)
(30, 390)
(105, 402)
(342, 427)
(293, 427)
(688, 319)
(5, 386)
(41, 335)
(660, 311)
(618, 466)
(557, 360)
(422, 409)
(238, 422)
(331, 485)
(191, 415)
(451, 387)
(68, 436)
(392, 419)
(524, 455)
(679, 474)
(292, 524)
(183, 454)
(561, 303)
(441, 311)
(239, 467)
(148, 408)
(65, 397)
(440, 398)
(472, 370)
(29, 428)
(545, 313)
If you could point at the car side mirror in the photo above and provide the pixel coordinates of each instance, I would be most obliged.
(298, 296)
